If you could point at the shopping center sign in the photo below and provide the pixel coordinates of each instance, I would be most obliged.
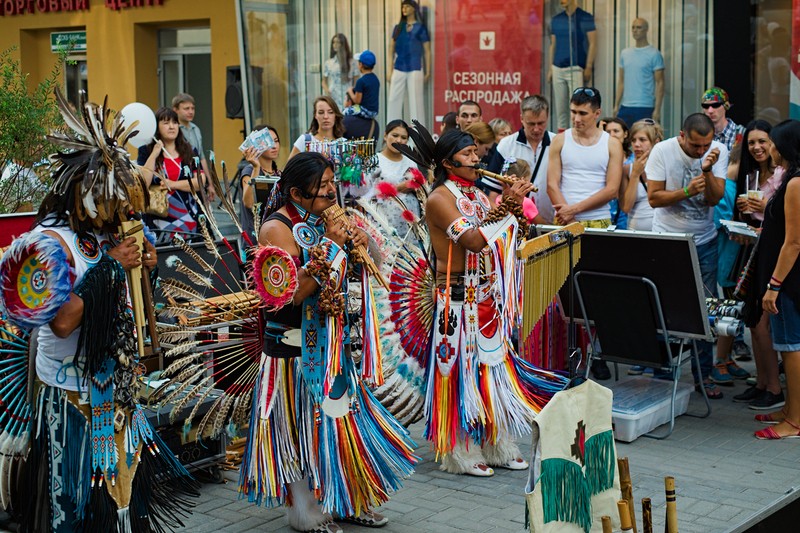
(492, 54)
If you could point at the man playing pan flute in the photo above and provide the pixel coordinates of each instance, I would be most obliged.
(480, 395)
(94, 463)
(319, 443)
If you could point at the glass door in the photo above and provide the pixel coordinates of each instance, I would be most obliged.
(75, 79)
(170, 76)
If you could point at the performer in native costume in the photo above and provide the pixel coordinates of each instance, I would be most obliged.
(480, 395)
(319, 441)
(94, 463)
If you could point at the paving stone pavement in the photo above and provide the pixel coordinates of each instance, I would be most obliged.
(725, 480)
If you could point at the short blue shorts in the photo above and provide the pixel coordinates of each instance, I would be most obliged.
(785, 325)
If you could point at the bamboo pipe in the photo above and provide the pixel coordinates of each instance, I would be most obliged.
(624, 515)
(647, 516)
(627, 488)
(672, 508)
(606, 520)
(135, 229)
(499, 177)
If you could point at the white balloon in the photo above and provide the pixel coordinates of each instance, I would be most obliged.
(147, 122)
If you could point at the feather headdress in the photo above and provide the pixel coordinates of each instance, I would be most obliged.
(424, 145)
(94, 166)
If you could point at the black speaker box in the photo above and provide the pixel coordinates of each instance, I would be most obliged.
(234, 92)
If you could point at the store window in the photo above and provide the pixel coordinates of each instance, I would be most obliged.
(498, 51)
(771, 36)
(287, 47)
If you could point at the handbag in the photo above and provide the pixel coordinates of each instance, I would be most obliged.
(159, 203)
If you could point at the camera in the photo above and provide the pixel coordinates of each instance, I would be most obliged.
(726, 326)
(724, 316)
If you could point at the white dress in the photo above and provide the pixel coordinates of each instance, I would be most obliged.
(338, 88)
(392, 172)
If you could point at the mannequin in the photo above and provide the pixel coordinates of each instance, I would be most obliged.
(640, 87)
(410, 64)
(573, 48)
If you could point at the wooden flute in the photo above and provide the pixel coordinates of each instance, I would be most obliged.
(499, 177)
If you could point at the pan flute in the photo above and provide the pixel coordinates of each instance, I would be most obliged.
(336, 212)
(545, 267)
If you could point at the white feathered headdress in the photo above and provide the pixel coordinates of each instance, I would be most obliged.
(94, 167)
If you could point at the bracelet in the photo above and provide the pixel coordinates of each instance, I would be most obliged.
(775, 281)
(686, 192)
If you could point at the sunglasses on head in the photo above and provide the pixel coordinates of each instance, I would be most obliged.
(591, 92)
(715, 105)
(648, 121)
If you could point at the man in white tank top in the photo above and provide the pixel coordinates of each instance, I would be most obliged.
(585, 166)
(584, 173)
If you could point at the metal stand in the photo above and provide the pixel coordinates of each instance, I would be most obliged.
(634, 332)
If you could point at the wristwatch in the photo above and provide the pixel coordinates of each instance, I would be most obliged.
(771, 287)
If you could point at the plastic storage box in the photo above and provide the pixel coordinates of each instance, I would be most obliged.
(642, 404)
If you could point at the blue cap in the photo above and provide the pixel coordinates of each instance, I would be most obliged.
(367, 58)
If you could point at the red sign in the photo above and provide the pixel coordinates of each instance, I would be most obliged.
(14, 225)
(25, 7)
(124, 4)
(492, 54)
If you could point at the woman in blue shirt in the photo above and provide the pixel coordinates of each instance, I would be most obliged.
(409, 52)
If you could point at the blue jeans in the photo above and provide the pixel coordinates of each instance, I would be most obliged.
(707, 258)
(633, 114)
(785, 326)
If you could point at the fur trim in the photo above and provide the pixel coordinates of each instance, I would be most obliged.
(462, 458)
(502, 452)
(304, 513)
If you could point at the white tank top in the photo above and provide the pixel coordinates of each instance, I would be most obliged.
(641, 216)
(583, 173)
(53, 352)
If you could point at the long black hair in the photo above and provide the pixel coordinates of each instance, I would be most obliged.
(184, 149)
(275, 137)
(747, 164)
(401, 26)
(786, 138)
(303, 171)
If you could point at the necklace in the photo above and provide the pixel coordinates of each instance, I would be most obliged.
(585, 142)
(464, 185)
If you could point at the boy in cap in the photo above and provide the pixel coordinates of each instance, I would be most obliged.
(364, 96)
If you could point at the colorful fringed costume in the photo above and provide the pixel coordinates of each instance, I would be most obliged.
(94, 462)
(478, 389)
(315, 424)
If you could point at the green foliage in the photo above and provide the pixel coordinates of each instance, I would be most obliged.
(27, 114)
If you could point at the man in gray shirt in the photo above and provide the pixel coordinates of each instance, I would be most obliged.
(183, 104)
